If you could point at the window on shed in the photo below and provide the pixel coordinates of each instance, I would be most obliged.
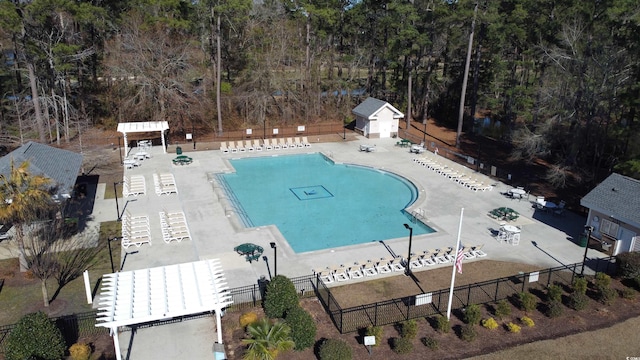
(609, 227)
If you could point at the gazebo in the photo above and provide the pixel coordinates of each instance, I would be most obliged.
(140, 296)
(144, 126)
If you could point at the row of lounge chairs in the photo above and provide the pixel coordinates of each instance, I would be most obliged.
(385, 265)
(457, 174)
(133, 186)
(165, 184)
(135, 230)
(174, 226)
(267, 144)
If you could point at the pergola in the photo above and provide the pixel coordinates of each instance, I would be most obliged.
(144, 126)
(140, 296)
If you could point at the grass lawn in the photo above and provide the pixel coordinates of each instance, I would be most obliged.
(22, 292)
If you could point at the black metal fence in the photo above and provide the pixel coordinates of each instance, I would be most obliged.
(247, 297)
(424, 305)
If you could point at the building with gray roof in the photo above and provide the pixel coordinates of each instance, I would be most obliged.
(376, 118)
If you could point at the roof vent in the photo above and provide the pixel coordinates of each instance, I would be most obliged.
(614, 189)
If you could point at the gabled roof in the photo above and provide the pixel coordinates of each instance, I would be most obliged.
(371, 107)
(143, 126)
(617, 196)
(61, 166)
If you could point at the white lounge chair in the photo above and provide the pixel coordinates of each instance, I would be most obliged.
(256, 145)
(232, 147)
(369, 269)
(240, 146)
(274, 143)
(354, 272)
(297, 141)
(477, 250)
(248, 145)
(382, 267)
(224, 148)
(326, 277)
(283, 143)
(305, 142)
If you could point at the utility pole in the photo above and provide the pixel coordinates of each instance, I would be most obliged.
(466, 77)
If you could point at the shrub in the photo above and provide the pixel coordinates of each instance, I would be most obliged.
(602, 281)
(554, 309)
(607, 295)
(468, 333)
(280, 297)
(578, 301)
(430, 342)
(335, 349)
(580, 285)
(303, 328)
(628, 265)
(472, 314)
(402, 345)
(409, 329)
(527, 301)
(503, 309)
(442, 324)
(513, 328)
(375, 331)
(248, 318)
(554, 293)
(490, 323)
(629, 293)
(34, 337)
(527, 321)
(80, 351)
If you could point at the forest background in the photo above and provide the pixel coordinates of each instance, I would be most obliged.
(551, 80)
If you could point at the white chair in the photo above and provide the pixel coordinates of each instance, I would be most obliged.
(274, 143)
(354, 272)
(224, 148)
(240, 146)
(305, 142)
(369, 269)
(382, 267)
(267, 144)
(248, 145)
(256, 145)
(283, 143)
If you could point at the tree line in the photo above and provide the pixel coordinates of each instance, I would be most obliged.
(557, 80)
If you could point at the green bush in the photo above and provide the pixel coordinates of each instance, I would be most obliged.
(602, 281)
(280, 297)
(513, 327)
(578, 301)
(430, 342)
(628, 265)
(80, 351)
(34, 337)
(554, 309)
(442, 324)
(409, 329)
(303, 328)
(375, 331)
(580, 285)
(335, 349)
(472, 314)
(402, 345)
(503, 309)
(527, 321)
(528, 301)
(554, 293)
(248, 318)
(607, 295)
(629, 293)
(490, 323)
(468, 333)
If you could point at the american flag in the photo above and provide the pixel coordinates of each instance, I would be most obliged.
(459, 258)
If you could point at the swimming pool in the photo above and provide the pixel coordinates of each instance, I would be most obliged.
(318, 204)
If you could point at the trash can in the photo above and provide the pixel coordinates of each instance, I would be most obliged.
(583, 240)
(179, 150)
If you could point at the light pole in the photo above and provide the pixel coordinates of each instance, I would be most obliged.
(589, 229)
(115, 193)
(275, 259)
(109, 240)
(408, 269)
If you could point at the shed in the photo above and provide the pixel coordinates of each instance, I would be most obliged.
(614, 213)
(61, 166)
(377, 119)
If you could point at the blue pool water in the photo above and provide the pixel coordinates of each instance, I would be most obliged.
(317, 204)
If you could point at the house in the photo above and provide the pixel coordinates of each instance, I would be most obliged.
(377, 119)
(61, 166)
(614, 213)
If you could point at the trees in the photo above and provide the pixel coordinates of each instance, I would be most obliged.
(26, 198)
(281, 296)
(267, 340)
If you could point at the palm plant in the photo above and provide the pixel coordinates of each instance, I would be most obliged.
(267, 340)
(26, 198)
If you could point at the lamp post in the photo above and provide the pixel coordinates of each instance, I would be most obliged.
(588, 229)
(275, 259)
(408, 269)
(109, 240)
(115, 194)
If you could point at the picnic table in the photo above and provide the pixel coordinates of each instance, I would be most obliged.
(504, 213)
(404, 143)
(251, 252)
(182, 160)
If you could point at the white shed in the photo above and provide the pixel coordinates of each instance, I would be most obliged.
(377, 119)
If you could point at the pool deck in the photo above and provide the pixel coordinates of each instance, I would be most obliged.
(546, 240)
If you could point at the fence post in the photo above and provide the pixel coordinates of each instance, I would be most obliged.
(468, 294)
(495, 297)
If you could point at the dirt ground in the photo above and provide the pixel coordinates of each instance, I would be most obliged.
(451, 346)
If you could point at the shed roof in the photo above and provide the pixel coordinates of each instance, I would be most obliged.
(138, 296)
(371, 107)
(61, 166)
(143, 126)
(617, 196)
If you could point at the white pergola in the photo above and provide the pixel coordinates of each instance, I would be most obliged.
(143, 126)
(140, 296)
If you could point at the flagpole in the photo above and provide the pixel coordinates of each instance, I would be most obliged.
(453, 270)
